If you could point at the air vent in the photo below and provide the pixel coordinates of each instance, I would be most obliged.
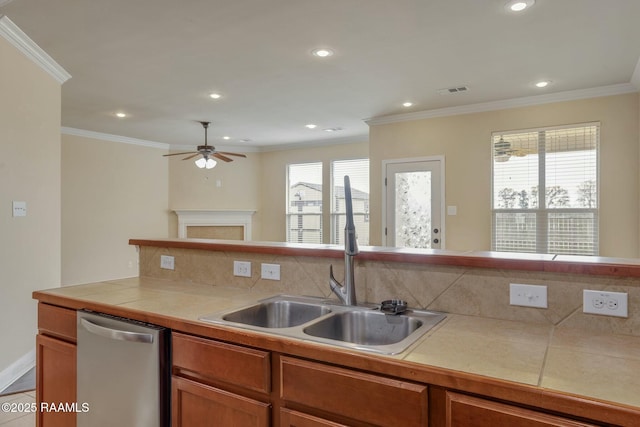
(452, 90)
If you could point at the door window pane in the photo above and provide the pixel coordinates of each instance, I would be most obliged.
(413, 209)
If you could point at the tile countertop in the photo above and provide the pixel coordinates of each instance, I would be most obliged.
(600, 366)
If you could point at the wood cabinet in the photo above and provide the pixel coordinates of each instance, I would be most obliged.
(355, 398)
(289, 418)
(219, 384)
(55, 364)
(463, 410)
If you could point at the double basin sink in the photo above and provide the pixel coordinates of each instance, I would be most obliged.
(324, 321)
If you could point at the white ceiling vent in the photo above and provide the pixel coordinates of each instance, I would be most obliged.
(452, 90)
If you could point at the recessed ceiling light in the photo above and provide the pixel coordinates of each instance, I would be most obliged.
(215, 95)
(311, 126)
(518, 5)
(121, 115)
(543, 83)
(226, 137)
(322, 52)
(407, 104)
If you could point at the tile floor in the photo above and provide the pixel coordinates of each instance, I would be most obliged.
(13, 402)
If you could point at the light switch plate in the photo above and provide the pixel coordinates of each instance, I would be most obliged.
(19, 209)
(167, 262)
(270, 271)
(528, 295)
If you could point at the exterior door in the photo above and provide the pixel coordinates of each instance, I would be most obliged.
(413, 203)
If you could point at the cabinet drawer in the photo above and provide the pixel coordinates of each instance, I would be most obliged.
(463, 410)
(199, 405)
(359, 396)
(57, 321)
(208, 359)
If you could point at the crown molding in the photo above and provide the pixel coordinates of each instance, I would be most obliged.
(354, 139)
(113, 138)
(596, 92)
(14, 35)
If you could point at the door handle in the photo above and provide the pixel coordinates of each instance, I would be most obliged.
(116, 334)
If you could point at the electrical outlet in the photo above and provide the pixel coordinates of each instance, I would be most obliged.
(605, 303)
(242, 268)
(528, 295)
(270, 271)
(167, 262)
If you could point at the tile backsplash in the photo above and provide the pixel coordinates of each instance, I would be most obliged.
(472, 291)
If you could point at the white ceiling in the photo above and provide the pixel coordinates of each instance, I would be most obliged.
(158, 60)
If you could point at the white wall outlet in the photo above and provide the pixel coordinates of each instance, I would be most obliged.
(605, 303)
(167, 262)
(242, 268)
(528, 295)
(270, 271)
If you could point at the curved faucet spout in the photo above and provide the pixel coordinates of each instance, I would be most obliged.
(347, 293)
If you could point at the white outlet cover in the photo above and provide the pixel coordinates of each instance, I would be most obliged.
(242, 268)
(528, 295)
(605, 303)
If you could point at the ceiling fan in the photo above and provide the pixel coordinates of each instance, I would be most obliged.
(207, 152)
(504, 150)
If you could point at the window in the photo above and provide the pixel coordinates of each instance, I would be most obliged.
(358, 171)
(562, 219)
(304, 203)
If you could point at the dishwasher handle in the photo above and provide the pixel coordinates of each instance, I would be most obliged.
(116, 334)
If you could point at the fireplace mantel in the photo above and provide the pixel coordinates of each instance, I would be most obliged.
(215, 218)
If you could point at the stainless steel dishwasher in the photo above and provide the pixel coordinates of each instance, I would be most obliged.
(123, 372)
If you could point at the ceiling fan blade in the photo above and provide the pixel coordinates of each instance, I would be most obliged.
(191, 156)
(177, 154)
(231, 154)
(221, 157)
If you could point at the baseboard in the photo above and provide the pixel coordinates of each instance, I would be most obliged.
(17, 369)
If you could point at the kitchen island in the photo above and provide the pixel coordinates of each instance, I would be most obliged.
(524, 367)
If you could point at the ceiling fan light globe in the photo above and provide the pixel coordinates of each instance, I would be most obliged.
(210, 163)
(201, 162)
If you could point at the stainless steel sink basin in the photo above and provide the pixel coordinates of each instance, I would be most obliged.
(365, 327)
(323, 321)
(277, 314)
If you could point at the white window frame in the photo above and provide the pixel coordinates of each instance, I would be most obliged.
(541, 211)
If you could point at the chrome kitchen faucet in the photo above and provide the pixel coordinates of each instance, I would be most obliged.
(347, 293)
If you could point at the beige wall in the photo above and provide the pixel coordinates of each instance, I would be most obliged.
(228, 186)
(111, 192)
(273, 186)
(255, 183)
(464, 140)
(30, 172)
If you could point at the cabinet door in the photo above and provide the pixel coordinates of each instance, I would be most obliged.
(463, 410)
(289, 418)
(55, 380)
(199, 405)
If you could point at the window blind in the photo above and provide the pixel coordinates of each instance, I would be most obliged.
(358, 171)
(304, 203)
(563, 217)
